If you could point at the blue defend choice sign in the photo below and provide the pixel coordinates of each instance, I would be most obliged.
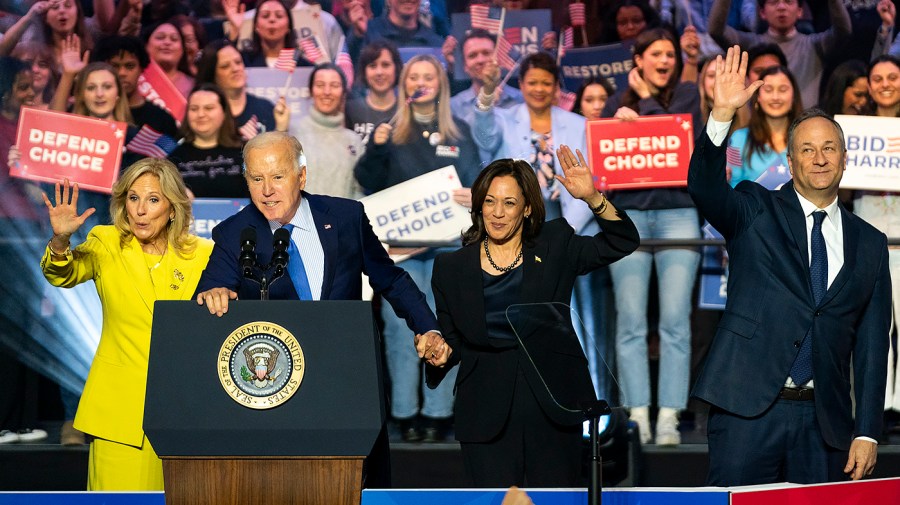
(420, 209)
(208, 212)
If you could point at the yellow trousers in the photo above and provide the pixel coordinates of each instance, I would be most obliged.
(118, 467)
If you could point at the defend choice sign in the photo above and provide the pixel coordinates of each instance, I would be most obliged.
(56, 145)
(208, 212)
(873, 152)
(419, 209)
(649, 152)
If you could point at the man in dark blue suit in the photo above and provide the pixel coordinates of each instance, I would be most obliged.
(332, 243)
(808, 297)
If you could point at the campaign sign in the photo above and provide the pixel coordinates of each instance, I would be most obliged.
(649, 152)
(268, 83)
(57, 145)
(208, 212)
(713, 272)
(524, 30)
(420, 209)
(154, 86)
(873, 152)
(406, 53)
(611, 62)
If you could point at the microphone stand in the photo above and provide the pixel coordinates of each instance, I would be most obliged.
(592, 412)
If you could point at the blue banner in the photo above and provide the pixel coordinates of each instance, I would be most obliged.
(713, 272)
(612, 62)
(543, 497)
(208, 212)
(524, 29)
(406, 53)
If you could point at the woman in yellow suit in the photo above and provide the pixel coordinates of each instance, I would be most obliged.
(146, 255)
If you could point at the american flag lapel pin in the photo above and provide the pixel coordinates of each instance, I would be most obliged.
(327, 226)
(537, 259)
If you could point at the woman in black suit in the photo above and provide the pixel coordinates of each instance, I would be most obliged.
(518, 426)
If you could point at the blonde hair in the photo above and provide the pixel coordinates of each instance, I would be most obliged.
(173, 190)
(121, 112)
(403, 119)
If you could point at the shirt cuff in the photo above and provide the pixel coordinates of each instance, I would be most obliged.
(717, 130)
(867, 439)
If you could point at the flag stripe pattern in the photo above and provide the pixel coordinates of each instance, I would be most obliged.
(566, 100)
(311, 49)
(286, 60)
(576, 14)
(733, 156)
(506, 54)
(152, 143)
(486, 17)
(250, 129)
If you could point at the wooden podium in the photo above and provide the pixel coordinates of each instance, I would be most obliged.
(310, 448)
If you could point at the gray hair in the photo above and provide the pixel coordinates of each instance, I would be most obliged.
(269, 139)
(811, 113)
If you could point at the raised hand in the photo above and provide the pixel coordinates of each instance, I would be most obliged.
(64, 218)
(887, 11)
(637, 83)
(382, 134)
(448, 49)
(729, 91)
(490, 75)
(70, 55)
(690, 42)
(578, 178)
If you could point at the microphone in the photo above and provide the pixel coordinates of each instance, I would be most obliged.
(279, 251)
(247, 259)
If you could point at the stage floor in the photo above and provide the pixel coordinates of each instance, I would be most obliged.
(47, 466)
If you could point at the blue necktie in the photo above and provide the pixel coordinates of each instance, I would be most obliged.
(801, 370)
(296, 270)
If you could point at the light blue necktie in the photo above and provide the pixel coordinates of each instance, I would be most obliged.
(801, 370)
(295, 268)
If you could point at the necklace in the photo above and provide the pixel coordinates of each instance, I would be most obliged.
(161, 256)
(512, 265)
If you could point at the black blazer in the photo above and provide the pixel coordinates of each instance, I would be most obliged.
(487, 374)
(770, 306)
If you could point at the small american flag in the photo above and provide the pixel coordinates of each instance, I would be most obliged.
(152, 143)
(568, 38)
(311, 49)
(250, 129)
(733, 156)
(286, 60)
(507, 54)
(566, 100)
(576, 14)
(487, 18)
(346, 64)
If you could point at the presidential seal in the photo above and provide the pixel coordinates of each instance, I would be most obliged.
(261, 365)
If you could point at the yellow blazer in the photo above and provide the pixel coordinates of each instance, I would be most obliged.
(112, 405)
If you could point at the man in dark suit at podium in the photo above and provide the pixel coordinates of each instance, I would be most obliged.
(809, 295)
(332, 245)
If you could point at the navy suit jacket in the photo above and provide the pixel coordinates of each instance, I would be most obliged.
(770, 306)
(351, 249)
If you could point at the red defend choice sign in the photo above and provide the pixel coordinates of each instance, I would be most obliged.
(649, 152)
(56, 145)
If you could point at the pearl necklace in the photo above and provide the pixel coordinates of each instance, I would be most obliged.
(491, 260)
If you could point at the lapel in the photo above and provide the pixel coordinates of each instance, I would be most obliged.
(328, 237)
(795, 223)
(533, 289)
(136, 268)
(850, 231)
(471, 290)
(181, 273)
